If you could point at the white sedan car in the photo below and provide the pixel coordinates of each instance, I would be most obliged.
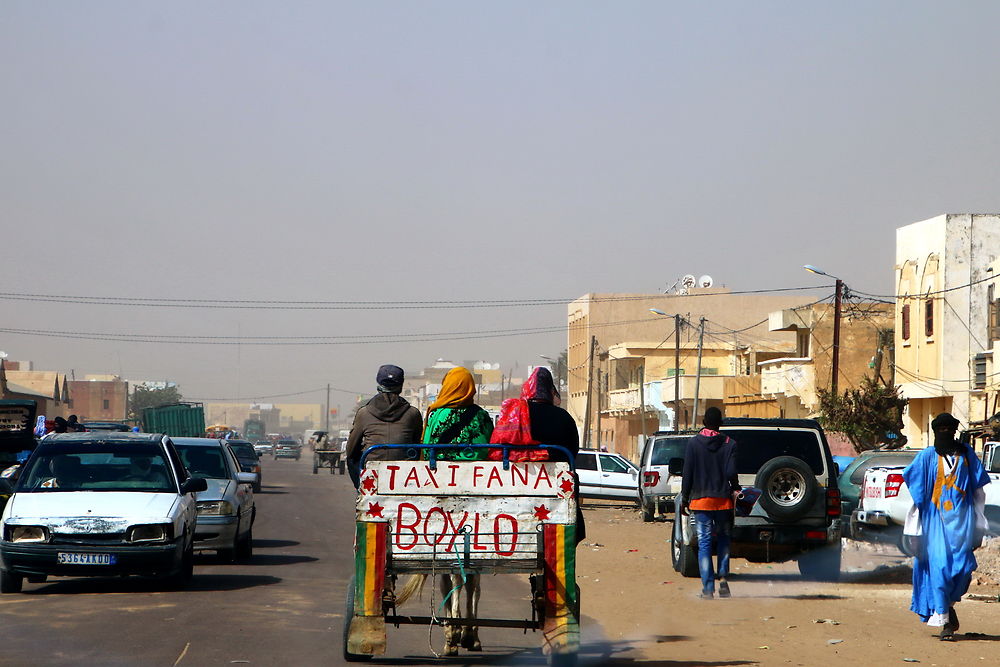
(607, 475)
(100, 504)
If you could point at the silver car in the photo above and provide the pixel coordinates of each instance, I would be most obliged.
(226, 510)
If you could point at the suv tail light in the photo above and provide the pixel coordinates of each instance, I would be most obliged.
(833, 502)
(892, 483)
(651, 478)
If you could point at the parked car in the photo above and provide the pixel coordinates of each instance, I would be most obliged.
(264, 447)
(248, 459)
(288, 449)
(850, 480)
(607, 475)
(790, 504)
(226, 510)
(100, 505)
(657, 487)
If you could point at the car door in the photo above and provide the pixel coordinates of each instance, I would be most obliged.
(244, 490)
(588, 474)
(619, 478)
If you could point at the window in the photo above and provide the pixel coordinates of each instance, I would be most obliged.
(979, 364)
(929, 317)
(107, 404)
(906, 322)
(613, 464)
(586, 461)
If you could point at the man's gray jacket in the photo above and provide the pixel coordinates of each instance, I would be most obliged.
(387, 419)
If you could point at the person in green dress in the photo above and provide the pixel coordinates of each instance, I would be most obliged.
(454, 418)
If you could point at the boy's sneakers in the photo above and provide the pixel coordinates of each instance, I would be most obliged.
(724, 589)
(706, 595)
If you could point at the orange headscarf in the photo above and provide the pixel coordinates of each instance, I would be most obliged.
(457, 389)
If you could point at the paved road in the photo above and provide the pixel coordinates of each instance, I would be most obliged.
(285, 606)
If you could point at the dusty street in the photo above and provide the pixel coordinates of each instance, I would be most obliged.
(652, 616)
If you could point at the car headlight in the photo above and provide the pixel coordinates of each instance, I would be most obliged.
(150, 532)
(216, 508)
(26, 533)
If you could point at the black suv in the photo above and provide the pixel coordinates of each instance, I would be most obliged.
(790, 505)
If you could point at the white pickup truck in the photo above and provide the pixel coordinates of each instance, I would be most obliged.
(885, 500)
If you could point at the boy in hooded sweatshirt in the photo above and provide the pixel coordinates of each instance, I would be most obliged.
(387, 419)
(708, 483)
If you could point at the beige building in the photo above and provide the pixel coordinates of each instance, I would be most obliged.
(788, 386)
(944, 269)
(291, 418)
(48, 388)
(624, 355)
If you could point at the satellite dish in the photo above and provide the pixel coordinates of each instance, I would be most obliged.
(688, 281)
(705, 281)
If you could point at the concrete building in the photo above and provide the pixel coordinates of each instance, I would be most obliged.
(99, 398)
(291, 418)
(788, 386)
(944, 268)
(48, 388)
(622, 355)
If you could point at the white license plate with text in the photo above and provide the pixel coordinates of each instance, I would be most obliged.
(85, 559)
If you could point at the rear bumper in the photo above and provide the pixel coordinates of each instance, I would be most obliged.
(38, 559)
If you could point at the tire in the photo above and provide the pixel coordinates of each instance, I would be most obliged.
(244, 546)
(10, 583)
(348, 615)
(647, 512)
(906, 545)
(315, 468)
(821, 564)
(683, 557)
(788, 488)
(180, 579)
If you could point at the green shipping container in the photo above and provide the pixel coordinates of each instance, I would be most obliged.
(182, 420)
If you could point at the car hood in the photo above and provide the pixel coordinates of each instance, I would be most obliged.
(90, 511)
(217, 489)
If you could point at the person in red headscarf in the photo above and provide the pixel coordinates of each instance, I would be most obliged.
(550, 424)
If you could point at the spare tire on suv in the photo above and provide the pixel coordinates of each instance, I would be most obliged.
(788, 488)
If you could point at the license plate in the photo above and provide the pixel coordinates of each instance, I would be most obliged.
(85, 559)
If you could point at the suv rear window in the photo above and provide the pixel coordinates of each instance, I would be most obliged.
(756, 447)
(665, 449)
(858, 475)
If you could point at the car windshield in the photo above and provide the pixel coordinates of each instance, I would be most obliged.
(755, 447)
(203, 461)
(106, 466)
(665, 449)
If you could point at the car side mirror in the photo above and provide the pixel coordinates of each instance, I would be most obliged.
(194, 485)
(675, 466)
(246, 477)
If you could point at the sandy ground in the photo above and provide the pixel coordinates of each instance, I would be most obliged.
(650, 615)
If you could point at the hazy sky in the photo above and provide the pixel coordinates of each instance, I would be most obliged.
(459, 150)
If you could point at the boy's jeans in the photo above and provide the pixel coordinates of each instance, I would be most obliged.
(722, 522)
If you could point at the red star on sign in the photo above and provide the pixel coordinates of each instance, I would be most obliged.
(542, 513)
(369, 484)
(566, 485)
(374, 510)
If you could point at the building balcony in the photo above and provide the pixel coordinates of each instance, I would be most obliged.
(789, 377)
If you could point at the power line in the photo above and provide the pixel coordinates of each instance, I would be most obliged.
(276, 304)
(924, 294)
(258, 398)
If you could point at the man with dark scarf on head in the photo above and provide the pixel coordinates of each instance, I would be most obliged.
(387, 419)
(946, 483)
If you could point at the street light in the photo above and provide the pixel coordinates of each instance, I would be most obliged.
(838, 289)
(677, 365)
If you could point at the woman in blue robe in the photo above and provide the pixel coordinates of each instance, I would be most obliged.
(945, 482)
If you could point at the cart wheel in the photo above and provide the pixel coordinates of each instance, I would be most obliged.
(348, 615)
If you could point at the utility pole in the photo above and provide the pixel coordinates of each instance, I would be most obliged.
(590, 391)
(642, 403)
(677, 373)
(836, 336)
(328, 409)
(697, 377)
(600, 387)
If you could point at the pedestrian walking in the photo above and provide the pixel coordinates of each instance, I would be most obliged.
(946, 483)
(707, 486)
(454, 418)
(386, 419)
